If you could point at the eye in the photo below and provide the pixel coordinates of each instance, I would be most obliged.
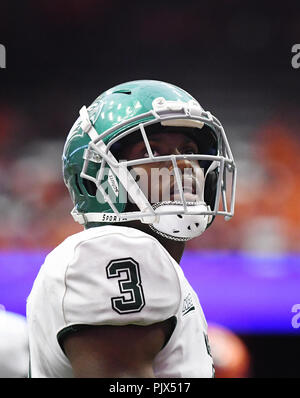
(155, 153)
(190, 151)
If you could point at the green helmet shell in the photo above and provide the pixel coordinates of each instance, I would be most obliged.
(116, 105)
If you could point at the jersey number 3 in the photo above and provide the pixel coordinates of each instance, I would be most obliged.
(130, 285)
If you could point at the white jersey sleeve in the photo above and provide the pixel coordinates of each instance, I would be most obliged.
(117, 279)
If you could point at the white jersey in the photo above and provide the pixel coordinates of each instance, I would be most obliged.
(115, 275)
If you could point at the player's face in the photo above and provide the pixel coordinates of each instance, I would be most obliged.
(157, 179)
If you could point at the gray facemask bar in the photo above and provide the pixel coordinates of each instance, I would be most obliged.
(99, 152)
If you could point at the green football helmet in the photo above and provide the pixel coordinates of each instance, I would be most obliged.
(100, 184)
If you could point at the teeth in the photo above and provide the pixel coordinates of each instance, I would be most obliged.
(186, 190)
(188, 187)
(188, 197)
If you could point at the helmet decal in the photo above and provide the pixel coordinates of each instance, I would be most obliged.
(94, 109)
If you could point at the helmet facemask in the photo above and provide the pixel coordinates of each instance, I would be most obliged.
(176, 217)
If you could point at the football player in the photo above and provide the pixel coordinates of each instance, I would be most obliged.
(146, 168)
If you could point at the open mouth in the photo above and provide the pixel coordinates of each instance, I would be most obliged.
(189, 197)
(189, 187)
(189, 191)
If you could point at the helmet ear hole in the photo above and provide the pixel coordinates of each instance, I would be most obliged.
(77, 184)
(90, 186)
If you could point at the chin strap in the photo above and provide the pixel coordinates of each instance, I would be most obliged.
(178, 226)
(85, 218)
(173, 224)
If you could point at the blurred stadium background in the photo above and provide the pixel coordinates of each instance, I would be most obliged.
(235, 58)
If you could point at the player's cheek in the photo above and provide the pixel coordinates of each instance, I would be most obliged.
(143, 179)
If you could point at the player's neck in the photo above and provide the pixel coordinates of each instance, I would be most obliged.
(174, 248)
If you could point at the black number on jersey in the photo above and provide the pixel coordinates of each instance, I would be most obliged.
(130, 286)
